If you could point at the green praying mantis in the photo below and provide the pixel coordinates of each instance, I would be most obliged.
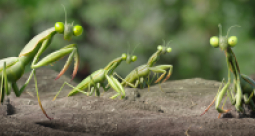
(137, 76)
(97, 78)
(244, 86)
(12, 68)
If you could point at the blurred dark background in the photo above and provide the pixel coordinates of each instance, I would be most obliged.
(110, 25)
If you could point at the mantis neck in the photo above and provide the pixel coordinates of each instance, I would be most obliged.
(154, 58)
(113, 64)
(232, 63)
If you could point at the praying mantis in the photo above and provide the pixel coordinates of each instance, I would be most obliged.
(12, 68)
(136, 77)
(244, 86)
(97, 78)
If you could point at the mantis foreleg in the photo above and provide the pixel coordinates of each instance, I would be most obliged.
(214, 98)
(162, 69)
(221, 94)
(39, 101)
(114, 83)
(55, 56)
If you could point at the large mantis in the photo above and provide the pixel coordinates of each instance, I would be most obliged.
(12, 68)
(136, 77)
(97, 78)
(244, 86)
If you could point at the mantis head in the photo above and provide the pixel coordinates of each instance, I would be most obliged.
(223, 42)
(68, 29)
(128, 58)
(164, 49)
(155, 57)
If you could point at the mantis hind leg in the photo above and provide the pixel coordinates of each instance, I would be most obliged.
(77, 89)
(16, 89)
(94, 88)
(128, 83)
(248, 100)
(5, 85)
(3, 82)
(239, 97)
(97, 89)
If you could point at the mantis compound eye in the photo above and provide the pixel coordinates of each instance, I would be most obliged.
(59, 27)
(160, 48)
(77, 30)
(232, 41)
(214, 41)
(124, 56)
(169, 49)
(134, 58)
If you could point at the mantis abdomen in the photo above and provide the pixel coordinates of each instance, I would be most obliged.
(96, 77)
(15, 68)
(137, 73)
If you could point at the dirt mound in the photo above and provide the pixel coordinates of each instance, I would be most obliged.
(173, 108)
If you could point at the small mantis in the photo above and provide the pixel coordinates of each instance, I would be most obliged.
(244, 86)
(136, 77)
(97, 78)
(12, 68)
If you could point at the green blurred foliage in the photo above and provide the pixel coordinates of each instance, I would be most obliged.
(110, 26)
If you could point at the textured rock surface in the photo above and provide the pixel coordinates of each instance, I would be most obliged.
(174, 110)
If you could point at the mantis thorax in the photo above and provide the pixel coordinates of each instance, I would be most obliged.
(68, 32)
(223, 42)
(154, 58)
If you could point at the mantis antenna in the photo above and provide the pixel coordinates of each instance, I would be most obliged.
(128, 47)
(220, 29)
(231, 28)
(168, 42)
(65, 12)
(134, 49)
(164, 42)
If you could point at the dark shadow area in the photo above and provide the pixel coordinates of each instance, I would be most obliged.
(161, 111)
(252, 114)
(63, 126)
(10, 108)
(248, 114)
(49, 124)
(227, 115)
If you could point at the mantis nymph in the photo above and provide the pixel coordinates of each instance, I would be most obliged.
(12, 68)
(136, 77)
(97, 78)
(244, 86)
